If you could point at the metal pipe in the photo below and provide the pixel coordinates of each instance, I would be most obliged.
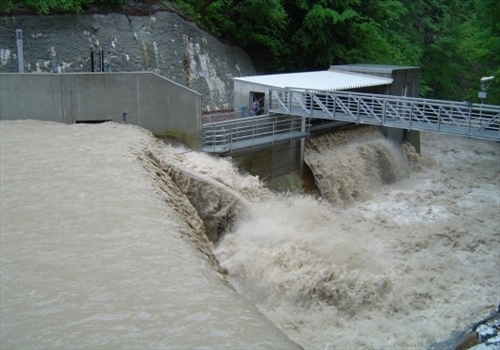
(20, 51)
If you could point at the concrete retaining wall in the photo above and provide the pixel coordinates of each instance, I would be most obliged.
(163, 43)
(150, 101)
(271, 163)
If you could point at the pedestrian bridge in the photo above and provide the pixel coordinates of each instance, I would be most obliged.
(447, 117)
(290, 110)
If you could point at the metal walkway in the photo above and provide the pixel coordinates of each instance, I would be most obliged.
(252, 132)
(447, 117)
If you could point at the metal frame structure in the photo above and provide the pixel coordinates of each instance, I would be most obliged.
(457, 118)
(253, 132)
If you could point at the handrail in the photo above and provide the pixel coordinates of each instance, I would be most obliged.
(251, 132)
(450, 117)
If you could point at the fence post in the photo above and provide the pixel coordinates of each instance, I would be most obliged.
(439, 119)
(470, 117)
(384, 110)
(358, 108)
(411, 113)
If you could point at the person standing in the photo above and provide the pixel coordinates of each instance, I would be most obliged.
(255, 108)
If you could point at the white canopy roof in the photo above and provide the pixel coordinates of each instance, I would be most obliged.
(319, 81)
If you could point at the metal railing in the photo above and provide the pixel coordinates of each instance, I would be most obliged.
(224, 115)
(219, 117)
(458, 118)
(252, 132)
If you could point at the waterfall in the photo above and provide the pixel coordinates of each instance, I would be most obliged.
(347, 165)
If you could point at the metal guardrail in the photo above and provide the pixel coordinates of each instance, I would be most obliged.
(457, 118)
(219, 117)
(252, 132)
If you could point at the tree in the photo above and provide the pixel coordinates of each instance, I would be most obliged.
(255, 25)
(348, 31)
(291, 35)
(47, 6)
(480, 48)
(442, 63)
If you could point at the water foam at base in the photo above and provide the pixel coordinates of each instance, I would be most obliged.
(399, 270)
(294, 256)
(344, 271)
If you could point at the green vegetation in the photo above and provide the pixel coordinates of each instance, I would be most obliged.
(48, 6)
(456, 42)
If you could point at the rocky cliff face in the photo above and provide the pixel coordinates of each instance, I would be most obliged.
(164, 43)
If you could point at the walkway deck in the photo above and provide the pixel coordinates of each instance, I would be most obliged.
(290, 108)
(256, 142)
(253, 132)
(448, 117)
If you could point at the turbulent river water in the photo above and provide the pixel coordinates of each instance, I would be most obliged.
(104, 243)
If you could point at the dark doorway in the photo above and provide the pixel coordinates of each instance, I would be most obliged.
(259, 98)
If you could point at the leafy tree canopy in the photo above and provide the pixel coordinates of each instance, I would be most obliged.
(47, 6)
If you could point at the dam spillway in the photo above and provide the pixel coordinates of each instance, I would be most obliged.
(96, 252)
(102, 246)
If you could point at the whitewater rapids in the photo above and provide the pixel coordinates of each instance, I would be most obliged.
(104, 243)
(397, 252)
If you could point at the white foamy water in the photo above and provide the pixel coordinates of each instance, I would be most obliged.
(103, 244)
(378, 266)
(348, 165)
(100, 250)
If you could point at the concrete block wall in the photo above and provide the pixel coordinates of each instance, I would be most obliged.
(149, 100)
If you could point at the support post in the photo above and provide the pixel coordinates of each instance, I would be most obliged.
(20, 52)
(413, 138)
(101, 56)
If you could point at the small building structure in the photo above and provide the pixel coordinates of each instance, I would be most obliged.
(405, 79)
(280, 161)
(247, 90)
(371, 78)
